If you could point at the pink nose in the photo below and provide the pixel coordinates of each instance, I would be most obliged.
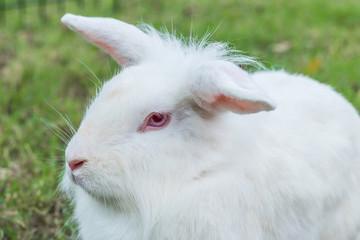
(75, 164)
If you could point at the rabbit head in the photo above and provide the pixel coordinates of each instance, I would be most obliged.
(156, 126)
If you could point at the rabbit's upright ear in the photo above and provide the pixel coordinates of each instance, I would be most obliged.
(124, 42)
(221, 86)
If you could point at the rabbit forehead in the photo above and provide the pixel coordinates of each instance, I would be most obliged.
(146, 86)
(130, 96)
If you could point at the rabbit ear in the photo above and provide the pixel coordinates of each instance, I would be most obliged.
(221, 85)
(124, 42)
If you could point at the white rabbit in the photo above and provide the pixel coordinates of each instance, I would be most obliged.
(183, 144)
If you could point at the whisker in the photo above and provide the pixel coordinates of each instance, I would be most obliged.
(61, 134)
(70, 124)
(65, 119)
(99, 83)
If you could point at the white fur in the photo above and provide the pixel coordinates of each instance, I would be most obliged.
(290, 173)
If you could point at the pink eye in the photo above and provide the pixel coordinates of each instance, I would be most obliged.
(155, 121)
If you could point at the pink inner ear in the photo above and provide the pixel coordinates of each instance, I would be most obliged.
(120, 59)
(236, 105)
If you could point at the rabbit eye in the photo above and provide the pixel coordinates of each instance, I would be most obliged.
(155, 121)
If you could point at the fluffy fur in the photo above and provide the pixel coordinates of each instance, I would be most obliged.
(229, 165)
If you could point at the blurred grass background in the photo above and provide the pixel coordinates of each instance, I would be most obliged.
(42, 64)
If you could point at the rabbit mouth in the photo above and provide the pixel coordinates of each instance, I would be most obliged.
(79, 181)
(76, 179)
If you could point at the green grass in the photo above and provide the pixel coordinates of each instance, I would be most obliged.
(40, 65)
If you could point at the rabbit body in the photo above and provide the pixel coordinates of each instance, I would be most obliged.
(225, 166)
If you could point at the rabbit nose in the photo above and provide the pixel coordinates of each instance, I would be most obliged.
(76, 164)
